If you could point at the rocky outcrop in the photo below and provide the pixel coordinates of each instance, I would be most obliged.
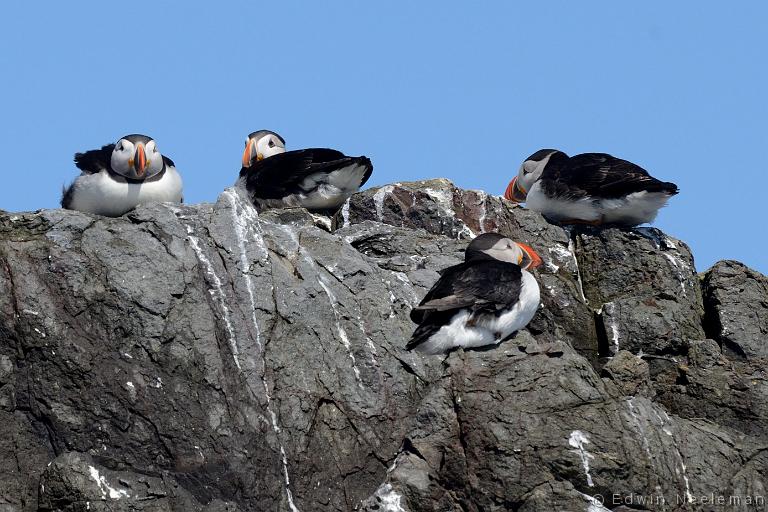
(211, 358)
(736, 298)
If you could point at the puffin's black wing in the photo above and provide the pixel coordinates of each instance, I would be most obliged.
(95, 160)
(601, 175)
(272, 177)
(483, 286)
(169, 163)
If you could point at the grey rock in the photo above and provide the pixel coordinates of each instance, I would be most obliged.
(209, 358)
(644, 285)
(736, 299)
(74, 482)
(709, 385)
(630, 374)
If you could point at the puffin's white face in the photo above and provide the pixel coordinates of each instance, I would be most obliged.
(528, 174)
(136, 157)
(505, 249)
(262, 146)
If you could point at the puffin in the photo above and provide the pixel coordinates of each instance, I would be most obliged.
(482, 301)
(591, 188)
(318, 179)
(120, 176)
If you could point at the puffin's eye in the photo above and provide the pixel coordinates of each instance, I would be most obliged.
(271, 143)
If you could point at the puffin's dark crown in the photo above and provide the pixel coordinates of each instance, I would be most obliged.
(137, 137)
(541, 155)
(260, 133)
(483, 242)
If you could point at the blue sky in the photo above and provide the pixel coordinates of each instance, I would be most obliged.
(426, 89)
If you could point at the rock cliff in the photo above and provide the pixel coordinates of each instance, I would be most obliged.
(210, 358)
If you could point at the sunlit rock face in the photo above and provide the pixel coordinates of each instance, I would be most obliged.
(216, 358)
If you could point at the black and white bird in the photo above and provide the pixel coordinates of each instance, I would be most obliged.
(317, 179)
(481, 301)
(118, 177)
(591, 188)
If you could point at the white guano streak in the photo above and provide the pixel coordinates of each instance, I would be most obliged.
(444, 200)
(342, 333)
(340, 329)
(218, 295)
(378, 200)
(389, 500)
(680, 268)
(105, 488)
(345, 213)
(578, 439)
(244, 220)
(640, 429)
(483, 209)
(572, 250)
(609, 308)
(682, 473)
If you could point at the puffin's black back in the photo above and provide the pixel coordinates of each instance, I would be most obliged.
(280, 174)
(599, 175)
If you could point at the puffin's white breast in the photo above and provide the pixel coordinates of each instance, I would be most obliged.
(101, 194)
(330, 190)
(635, 208)
(520, 314)
(558, 208)
(632, 209)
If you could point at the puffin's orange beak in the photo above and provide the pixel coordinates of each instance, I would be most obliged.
(250, 147)
(535, 259)
(515, 192)
(140, 160)
(510, 188)
(247, 154)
